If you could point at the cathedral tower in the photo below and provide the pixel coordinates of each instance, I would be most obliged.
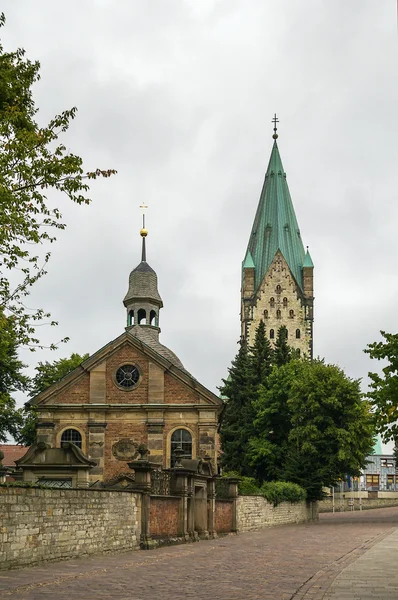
(277, 273)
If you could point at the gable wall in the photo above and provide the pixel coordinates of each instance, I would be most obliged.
(280, 274)
(101, 427)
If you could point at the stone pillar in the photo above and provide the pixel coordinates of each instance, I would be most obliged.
(96, 449)
(207, 435)
(142, 468)
(155, 426)
(181, 489)
(45, 433)
(211, 507)
(3, 470)
(233, 494)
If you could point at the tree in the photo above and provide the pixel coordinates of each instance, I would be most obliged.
(11, 379)
(322, 426)
(282, 351)
(33, 162)
(261, 356)
(383, 392)
(46, 374)
(237, 417)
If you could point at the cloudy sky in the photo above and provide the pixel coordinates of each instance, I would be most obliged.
(178, 96)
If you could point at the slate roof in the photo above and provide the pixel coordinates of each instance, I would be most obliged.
(149, 337)
(143, 285)
(275, 225)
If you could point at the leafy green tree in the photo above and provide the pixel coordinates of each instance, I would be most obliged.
(327, 430)
(11, 379)
(282, 350)
(383, 392)
(236, 420)
(33, 163)
(46, 374)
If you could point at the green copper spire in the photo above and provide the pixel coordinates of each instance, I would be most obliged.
(275, 225)
(248, 263)
(308, 260)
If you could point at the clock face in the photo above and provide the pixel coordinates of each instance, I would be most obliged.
(127, 376)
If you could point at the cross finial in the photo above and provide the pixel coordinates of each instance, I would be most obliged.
(275, 120)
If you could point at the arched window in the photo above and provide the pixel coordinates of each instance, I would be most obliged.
(278, 314)
(284, 302)
(278, 289)
(266, 314)
(152, 317)
(72, 435)
(130, 318)
(141, 317)
(271, 334)
(291, 314)
(181, 438)
(272, 302)
(298, 334)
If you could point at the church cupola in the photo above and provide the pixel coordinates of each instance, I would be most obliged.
(143, 300)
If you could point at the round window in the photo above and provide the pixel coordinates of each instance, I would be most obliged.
(127, 376)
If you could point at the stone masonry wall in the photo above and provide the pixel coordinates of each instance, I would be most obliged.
(326, 505)
(39, 525)
(223, 516)
(164, 515)
(254, 512)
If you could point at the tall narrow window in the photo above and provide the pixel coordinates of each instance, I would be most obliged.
(278, 289)
(141, 317)
(152, 317)
(272, 302)
(291, 314)
(72, 435)
(278, 314)
(181, 438)
(284, 302)
(266, 314)
(130, 318)
(298, 334)
(271, 334)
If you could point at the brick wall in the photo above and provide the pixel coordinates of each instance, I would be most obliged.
(164, 515)
(367, 503)
(254, 512)
(223, 516)
(38, 525)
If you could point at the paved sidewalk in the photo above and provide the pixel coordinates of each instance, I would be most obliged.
(374, 576)
(278, 563)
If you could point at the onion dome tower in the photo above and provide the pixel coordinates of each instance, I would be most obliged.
(143, 301)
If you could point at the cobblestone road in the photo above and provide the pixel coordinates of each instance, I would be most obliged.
(279, 563)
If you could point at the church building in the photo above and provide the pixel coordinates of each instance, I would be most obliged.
(277, 273)
(132, 392)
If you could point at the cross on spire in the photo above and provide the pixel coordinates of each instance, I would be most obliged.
(143, 232)
(275, 120)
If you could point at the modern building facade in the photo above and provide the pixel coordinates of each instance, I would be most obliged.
(277, 272)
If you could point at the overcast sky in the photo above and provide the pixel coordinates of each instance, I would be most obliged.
(178, 96)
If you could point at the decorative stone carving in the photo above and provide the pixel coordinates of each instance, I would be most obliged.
(125, 449)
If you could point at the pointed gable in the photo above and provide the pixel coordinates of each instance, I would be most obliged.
(275, 225)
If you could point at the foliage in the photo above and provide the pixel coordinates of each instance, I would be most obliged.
(46, 374)
(282, 350)
(313, 426)
(11, 379)
(261, 356)
(237, 417)
(384, 388)
(33, 163)
(283, 491)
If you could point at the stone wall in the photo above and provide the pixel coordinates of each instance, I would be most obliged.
(326, 505)
(254, 512)
(164, 515)
(39, 525)
(223, 516)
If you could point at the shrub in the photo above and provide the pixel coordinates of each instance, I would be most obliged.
(282, 491)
